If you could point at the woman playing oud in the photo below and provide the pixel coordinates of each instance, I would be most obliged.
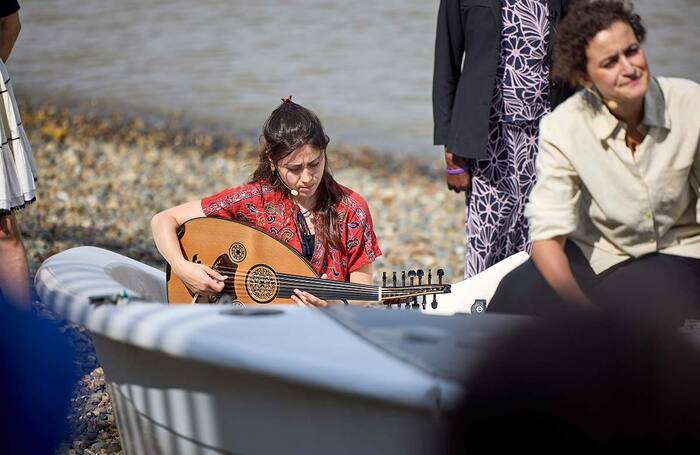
(292, 197)
(615, 213)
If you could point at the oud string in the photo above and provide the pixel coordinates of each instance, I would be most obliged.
(295, 279)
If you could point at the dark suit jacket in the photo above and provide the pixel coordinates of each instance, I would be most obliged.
(471, 30)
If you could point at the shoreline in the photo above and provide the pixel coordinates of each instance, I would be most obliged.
(177, 118)
(102, 175)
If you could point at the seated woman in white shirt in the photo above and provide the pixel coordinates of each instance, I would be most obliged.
(615, 215)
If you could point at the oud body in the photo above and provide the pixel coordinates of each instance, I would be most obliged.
(245, 254)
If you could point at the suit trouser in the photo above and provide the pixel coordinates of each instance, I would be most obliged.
(656, 287)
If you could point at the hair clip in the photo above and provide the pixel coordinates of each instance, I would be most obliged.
(287, 99)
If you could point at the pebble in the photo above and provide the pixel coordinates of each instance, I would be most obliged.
(102, 178)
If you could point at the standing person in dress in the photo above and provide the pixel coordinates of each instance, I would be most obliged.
(17, 170)
(615, 213)
(491, 86)
(291, 196)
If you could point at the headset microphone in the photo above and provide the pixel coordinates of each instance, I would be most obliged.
(294, 192)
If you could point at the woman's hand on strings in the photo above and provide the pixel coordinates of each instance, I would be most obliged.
(200, 279)
(305, 299)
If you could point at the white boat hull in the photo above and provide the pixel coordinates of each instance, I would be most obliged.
(272, 379)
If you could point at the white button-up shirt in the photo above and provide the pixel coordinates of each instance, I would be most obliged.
(613, 203)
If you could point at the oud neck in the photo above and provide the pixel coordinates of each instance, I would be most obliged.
(341, 290)
(329, 289)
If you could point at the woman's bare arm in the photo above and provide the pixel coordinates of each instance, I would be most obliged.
(9, 31)
(199, 278)
(549, 257)
(363, 275)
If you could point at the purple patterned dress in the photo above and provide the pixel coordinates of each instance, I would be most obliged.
(496, 227)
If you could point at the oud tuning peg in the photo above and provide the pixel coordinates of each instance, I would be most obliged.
(421, 274)
(430, 276)
(407, 303)
(393, 278)
(384, 279)
(420, 279)
(440, 274)
(411, 279)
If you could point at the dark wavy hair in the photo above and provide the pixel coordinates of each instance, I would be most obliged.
(582, 22)
(288, 128)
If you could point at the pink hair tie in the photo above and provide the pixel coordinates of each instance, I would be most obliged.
(287, 99)
(456, 171)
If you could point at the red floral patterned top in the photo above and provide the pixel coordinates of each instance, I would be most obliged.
(260, 205)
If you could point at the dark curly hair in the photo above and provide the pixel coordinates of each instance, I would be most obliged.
(288, 128)
(582, 22)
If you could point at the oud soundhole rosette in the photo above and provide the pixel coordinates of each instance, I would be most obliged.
(261, 284)
(237, 252)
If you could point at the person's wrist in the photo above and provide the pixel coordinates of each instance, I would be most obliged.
(455, 171)
(576, 296)
(178, 265)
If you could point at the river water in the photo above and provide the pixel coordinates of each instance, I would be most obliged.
(365, 66)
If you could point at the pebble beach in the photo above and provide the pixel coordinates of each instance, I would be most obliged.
(102, 176)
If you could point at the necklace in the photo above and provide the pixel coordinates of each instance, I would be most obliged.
(304, 212)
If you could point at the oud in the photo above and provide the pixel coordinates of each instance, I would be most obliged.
(261, 269)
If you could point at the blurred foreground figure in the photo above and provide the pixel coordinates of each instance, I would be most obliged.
(584, 383)
(17, 170)
(37, 375)
(615, 213)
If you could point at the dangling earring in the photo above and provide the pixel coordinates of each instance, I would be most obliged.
(593, 93)
(611, 104)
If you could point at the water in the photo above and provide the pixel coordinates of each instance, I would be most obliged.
(364, 66)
